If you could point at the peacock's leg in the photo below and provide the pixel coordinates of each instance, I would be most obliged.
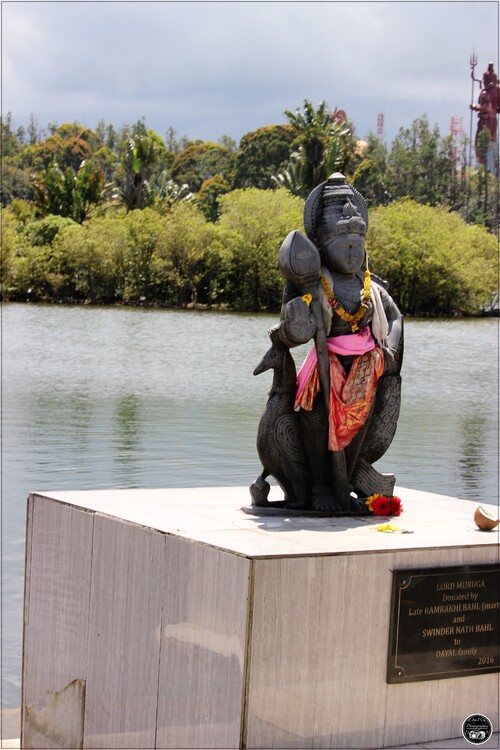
(314, 426)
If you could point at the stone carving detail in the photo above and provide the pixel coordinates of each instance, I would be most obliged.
(323, 428)
(279, 440)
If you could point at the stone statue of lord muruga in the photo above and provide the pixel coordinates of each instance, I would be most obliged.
(324, 427)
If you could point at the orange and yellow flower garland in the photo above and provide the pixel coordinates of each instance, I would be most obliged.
(341, 312)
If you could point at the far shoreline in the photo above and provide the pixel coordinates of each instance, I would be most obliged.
(216, 308)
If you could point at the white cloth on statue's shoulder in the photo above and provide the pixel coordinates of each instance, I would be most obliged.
(380, 326)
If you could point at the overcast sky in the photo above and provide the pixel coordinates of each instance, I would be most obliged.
(213, 68)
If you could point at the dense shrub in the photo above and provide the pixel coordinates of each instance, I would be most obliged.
(253, 224)
(43, 231)
(436, 264)
(96, 257)
(190, 256)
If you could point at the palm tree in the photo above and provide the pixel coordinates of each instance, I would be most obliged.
(162, 192)
(69, 193)
(141, 156)
(290, 178)
(323, 143)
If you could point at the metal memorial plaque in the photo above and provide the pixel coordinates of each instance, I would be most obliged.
(444, 623)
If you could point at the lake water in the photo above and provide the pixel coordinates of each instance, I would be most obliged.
(109, 397)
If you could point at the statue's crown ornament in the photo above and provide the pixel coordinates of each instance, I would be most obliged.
(334, 208)
(350, 222)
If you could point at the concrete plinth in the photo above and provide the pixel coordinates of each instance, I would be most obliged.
(170, 619)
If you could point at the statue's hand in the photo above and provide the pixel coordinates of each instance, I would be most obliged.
(299, 322)
(390, 364)
(388, 351)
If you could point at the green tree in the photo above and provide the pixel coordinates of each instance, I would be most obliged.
(190, 257)
(9, 142)
(69, 193)
(106, 160)
(144, 230)
(171, 141)
(324, 144)
(9, 282)
(69, 146)
(262, 154)
(176, 145)
(15, 184)
(200, 161)
(15, 181)
(21, 135)
(111, 137)
(207, 198)
(141, 157)
(44, 231)
(483, 199)
(23, 211)
(291, 177)
(419, 164)
(96, 253)
(100, 130)
(161, 192)
(228, 142)
(370, 174)
(252, 226)
(70, 130)
(33, 131)
(36, 269)
(436, 264)
(483, 144)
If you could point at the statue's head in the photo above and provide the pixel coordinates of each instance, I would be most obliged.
(334, 207)
(336, 220)
(489, 77)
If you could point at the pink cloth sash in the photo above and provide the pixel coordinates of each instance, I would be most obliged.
(347, 345)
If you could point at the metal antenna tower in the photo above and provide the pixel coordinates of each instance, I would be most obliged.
(380, 125)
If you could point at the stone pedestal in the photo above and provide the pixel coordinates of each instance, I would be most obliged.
(170, 619)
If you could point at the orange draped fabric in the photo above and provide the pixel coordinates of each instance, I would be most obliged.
(351, 395)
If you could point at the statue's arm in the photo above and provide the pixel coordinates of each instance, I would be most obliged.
(290, 292)
(297, 324)
(394, 320)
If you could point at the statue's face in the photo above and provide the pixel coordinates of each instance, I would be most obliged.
(345, 254)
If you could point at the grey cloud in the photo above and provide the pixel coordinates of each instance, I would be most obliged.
(209, 68)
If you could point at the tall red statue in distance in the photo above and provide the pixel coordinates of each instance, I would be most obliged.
(488, 107)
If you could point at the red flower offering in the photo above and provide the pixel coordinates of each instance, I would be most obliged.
(384, 505)
(396, 506)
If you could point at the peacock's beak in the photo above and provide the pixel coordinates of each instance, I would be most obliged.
(265, 363)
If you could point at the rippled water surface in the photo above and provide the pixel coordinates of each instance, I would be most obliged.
(99, 398)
